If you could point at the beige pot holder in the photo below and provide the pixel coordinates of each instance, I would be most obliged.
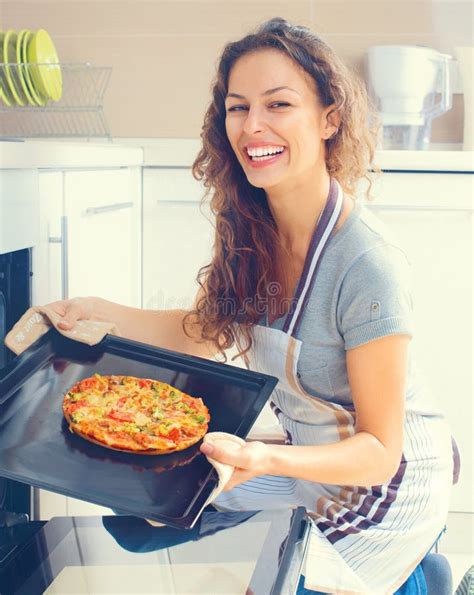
(36, 321)
(224, 471)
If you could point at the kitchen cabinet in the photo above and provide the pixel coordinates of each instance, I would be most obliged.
(177, 237)
(90, 235)
(103, 213)
(431, 217)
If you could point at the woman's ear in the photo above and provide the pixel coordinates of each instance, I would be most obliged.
(332, 122)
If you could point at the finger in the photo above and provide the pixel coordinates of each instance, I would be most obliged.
(73, 313)
(60, 308)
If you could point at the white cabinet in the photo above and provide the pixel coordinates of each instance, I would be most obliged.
(432, 219)
(177, 237)
(103, 214)
(90, 236)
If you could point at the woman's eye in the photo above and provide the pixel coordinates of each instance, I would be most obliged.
(275, 104)
(236, 108)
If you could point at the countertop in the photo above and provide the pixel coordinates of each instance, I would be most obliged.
(175, 152)
(67, 155)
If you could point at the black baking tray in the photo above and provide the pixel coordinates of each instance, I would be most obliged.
(37, 448)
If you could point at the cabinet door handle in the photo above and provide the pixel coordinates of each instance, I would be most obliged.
(63, 240)
(106, 208)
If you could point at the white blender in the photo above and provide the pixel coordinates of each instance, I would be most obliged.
(410, 86)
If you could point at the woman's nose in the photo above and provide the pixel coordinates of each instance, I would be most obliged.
(254, 122)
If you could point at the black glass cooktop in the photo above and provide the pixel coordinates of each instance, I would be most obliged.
(235, 553)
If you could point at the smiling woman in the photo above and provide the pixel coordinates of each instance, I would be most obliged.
(312, 289)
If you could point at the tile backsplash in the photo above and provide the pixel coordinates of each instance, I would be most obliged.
(164, 53)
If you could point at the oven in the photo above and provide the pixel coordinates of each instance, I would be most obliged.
(19, 234)
(15, 299)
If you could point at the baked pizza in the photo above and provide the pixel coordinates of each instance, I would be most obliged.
(136, 415)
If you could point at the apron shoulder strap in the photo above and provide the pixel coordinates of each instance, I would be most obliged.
(322, 233)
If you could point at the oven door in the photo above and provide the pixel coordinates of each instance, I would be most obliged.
(15, 299)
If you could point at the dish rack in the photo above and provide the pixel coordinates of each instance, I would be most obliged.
(78, 113)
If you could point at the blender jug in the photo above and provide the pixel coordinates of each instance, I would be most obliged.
(410, 86)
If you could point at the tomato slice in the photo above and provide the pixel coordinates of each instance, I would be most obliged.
(87, 383)
(144, 383)
(121, 416)
(77, 405)
(174, 435)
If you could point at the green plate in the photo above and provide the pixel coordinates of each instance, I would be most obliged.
(22, 68)
(46, 71)
(5, 94)
(11, 68)
(37, 97)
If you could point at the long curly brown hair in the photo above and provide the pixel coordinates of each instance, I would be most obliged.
(234, 286)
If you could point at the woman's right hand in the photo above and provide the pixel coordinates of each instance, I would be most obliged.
(72, 310)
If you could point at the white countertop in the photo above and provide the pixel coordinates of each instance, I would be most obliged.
(64, 155)
(433, 160)
(177, 152)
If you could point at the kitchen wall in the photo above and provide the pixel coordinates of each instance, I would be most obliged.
(164, 53)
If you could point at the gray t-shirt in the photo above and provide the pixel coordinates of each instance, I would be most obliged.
(362, 292)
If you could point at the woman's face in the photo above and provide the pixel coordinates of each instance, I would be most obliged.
(274, 120)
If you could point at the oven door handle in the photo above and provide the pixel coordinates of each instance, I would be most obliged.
(63, 240)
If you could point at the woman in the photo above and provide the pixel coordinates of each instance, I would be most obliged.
(309, 287)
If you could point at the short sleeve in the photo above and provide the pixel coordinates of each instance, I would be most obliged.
(375, 297)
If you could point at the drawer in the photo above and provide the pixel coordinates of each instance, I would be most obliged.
(165, 184)
(422, 190)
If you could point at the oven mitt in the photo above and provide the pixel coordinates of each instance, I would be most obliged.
(224, 471)
(38, 320)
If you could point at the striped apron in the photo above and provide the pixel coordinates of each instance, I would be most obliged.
(363, 540)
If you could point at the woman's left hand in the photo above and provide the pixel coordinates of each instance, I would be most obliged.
(250, 460)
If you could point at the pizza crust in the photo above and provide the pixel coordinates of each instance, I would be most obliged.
(73, 427)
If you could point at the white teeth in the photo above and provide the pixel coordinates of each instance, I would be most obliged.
(261, 151)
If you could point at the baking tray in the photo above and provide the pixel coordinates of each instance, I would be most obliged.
(37, 448)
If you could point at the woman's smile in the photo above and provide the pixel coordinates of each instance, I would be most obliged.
(263, 155)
